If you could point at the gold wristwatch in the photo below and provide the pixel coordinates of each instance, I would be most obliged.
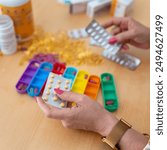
(116, 134)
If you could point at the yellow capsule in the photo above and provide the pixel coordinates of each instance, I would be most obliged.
(62, 104)
(52, 75)
(55, 98)
(74, 104)
(66, 87)
(67, 81)
(51, 80)
(48, 92)
(49, 86)
(59, 81)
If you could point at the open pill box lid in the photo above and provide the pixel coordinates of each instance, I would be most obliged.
(110, 98)
(27, 76)
(39, 79)
(92, 88)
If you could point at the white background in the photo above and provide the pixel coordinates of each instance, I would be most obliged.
(158, 7)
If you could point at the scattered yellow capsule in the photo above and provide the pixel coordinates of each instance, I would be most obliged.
(74, 104)
(44, 42)
(62, 104)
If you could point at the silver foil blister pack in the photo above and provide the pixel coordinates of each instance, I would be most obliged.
(77, 33)
(124, 59)
(101, 36)
(111, 52)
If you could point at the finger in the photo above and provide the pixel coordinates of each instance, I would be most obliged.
(52, 112)
(45, 108)
(69, 96)
(114, 21)
(116, 31)
(124, 36)
(139, 45)
(125, 47)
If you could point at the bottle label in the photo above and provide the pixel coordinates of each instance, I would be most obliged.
(23, 20)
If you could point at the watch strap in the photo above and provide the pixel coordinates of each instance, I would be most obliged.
(116, 134)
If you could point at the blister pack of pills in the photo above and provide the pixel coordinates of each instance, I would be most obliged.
(56, 82)
(77, 33)
(101, 36)
(92, 42)
(124, 59)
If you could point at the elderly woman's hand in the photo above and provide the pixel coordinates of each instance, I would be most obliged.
(87, 115)
(129, 31)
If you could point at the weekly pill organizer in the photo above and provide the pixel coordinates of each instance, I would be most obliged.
(39, 79)
(109, 93)
(27, 76)
(44, 78)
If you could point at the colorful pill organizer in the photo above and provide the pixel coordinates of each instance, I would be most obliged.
(70, 73)
(101, 36)
(39, 79)
(27, 76)
(80, 82)
(59, 68)
(110, 98)
(45, 78)
(93, 85)
(55, 81)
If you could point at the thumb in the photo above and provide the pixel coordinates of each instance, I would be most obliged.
(69, 96)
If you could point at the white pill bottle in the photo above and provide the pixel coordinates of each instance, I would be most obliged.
(21, 13)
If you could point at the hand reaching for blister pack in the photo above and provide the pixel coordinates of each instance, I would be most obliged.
(129, 31)
(87, 115)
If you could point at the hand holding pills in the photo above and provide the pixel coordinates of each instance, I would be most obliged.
(87, 115)
(129, 31)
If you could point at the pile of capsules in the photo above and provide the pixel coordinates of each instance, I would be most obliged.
(45, 78)
(68, 50)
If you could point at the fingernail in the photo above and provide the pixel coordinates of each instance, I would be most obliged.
(113, 40)
(58, 91)
(125, 48)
